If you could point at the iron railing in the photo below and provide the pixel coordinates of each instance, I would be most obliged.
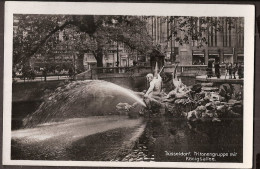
(194, 69)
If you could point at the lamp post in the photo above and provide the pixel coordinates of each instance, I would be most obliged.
(117, 56)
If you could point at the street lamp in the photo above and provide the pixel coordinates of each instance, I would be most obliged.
(117, 56)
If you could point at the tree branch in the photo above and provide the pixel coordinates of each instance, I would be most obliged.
(43, 41)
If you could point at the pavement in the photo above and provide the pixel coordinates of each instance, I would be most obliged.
(37, 79)
(222, 79)
(92, 138)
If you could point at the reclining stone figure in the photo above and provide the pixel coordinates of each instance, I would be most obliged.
(180, 90)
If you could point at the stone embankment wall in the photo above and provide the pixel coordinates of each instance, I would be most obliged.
(26, 97)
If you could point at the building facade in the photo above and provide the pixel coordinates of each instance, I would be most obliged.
(223, 42)
(117, 53)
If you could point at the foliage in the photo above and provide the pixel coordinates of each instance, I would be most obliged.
(40, 34)
(27, 73)
(99, 34)
(35, 30)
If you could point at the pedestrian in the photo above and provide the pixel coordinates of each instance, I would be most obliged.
(31, 74)
(230, 70)
(240, 71)
(226, 69)
(217, 69)
(234, 70)
(213, 68)
(209, 70)
(44, 73)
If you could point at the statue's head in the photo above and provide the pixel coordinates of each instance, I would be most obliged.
(149, 77)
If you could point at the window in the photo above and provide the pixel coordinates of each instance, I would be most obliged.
(228, 58)
(109, 65)
(226, 32)
(195, 30)
(198, 59)
(212, 32)
(240, 32)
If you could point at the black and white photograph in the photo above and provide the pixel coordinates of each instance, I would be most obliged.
(128, 84)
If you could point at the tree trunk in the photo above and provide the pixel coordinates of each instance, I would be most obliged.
(79, 63)
(99, 58)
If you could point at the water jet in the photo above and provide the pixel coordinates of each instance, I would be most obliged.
(81, 99)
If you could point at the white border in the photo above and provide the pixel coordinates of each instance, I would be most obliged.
(247, 11)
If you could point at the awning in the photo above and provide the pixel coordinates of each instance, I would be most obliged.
(92, 61)
(200, 55)
(210, 54)
(228, 54)
(199, 52)
(123, 56)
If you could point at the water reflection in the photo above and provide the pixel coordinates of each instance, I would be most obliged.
(168, 139)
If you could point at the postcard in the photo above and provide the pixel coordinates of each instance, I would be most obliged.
(128, 84)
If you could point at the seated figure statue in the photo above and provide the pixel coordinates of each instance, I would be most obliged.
(155, 86)
(153, 95)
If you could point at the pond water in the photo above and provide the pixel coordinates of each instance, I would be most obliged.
(169, 139)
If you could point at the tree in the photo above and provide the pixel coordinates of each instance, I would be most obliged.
(35, 30)
(96, 33)
(36, 33)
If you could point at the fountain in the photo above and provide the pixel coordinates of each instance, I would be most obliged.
(81, 99)
(73, 119)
